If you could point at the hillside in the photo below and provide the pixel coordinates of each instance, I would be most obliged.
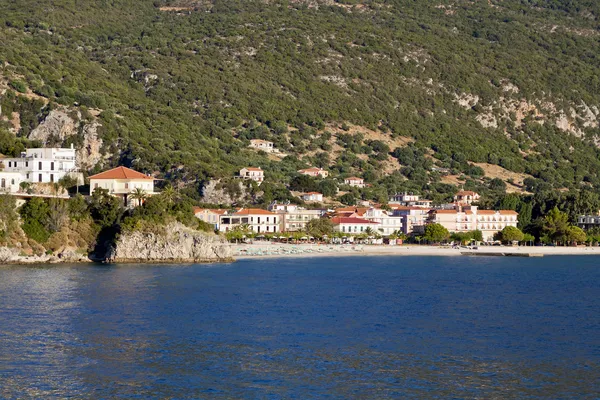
(437, 90)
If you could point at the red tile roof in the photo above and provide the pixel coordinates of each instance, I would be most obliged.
(508, 212)
(253, 211)
(443, 211)
(252, 169)
(351, 220)
(354, 178)
(311, 193)
(219, 211)
(466, 193)
(121, 173)
(486, 212)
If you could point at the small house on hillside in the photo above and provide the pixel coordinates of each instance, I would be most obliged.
(355, 182)
(256, 174)
(263, 145)
(314, 172)
(466, 197)
(312, 196)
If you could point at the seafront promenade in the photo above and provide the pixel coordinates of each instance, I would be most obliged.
(269, 249)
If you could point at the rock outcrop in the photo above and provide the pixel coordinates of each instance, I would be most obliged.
(11, 255)
(176, 243)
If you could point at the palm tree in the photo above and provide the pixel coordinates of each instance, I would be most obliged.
(139, 194)
(169, 194)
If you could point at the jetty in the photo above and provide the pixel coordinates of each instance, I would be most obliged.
(500, 254)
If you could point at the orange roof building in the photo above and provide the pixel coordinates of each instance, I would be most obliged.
(129, 185)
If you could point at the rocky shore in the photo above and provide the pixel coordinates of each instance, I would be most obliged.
(175, 243)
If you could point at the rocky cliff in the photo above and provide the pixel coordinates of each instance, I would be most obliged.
(174, 243)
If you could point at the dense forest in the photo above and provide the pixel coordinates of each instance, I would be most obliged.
(409, 95)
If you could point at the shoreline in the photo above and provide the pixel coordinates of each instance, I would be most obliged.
(274, 250)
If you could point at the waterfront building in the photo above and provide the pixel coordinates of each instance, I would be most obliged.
(469, 218)
(388, 223)
(124, 183)
(586, 222)
(256, 219)
(413, 218)
(293, 218)
(210, 215)
(352, 225)
(253, 173)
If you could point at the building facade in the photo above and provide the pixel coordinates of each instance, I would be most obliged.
(124, 183)
(466, 197)
(352, 225)
(387, 222)
(258, 220)
(489, 222)
(409, 200)
(210, 215)
(312, 196)
(355, 182)
(41, 165)
(293, 218)
(253, 173)
(263, 145)
(586, 222)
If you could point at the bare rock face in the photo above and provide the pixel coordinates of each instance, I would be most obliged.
(177, 243)
(60, 124)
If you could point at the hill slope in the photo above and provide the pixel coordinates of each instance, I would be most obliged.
(177, 88)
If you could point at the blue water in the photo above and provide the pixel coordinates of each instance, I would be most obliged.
(354, 327)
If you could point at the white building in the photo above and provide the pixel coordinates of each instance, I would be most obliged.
(42, 165)
(466, 197)
(312, 196)
(410, 200)
(413, 218)
(293, 218)
(256, 174)
(352, 225)
(355, 182)
(263, 145)
(489, 222)
(259, 221)
(387, 222)
(10, 182)
(123, 182)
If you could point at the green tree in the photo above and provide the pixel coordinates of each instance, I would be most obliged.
(139, 194)
(576, 235)
(511, 234)
(436, 233)
(348, 199)
(555, 225)
(319, 227)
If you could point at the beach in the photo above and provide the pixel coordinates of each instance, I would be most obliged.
(274, 250)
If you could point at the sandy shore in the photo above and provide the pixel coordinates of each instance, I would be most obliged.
(274, 250)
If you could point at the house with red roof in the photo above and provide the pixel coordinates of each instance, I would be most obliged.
(124, 183)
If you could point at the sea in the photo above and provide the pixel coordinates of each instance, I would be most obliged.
(332, 328)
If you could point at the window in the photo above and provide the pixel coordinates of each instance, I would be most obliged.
(52, 166)
(9, 164)
(3, 183)
(95, 186)
(27, 176)
(27, 163)
(126, 185)
(51, 177)
(39, 177)
(12, 182)
(40, 165)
